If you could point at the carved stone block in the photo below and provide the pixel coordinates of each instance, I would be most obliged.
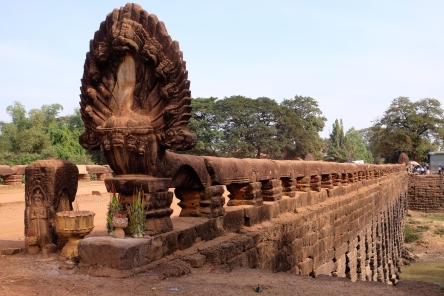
(271, 190)
(327, 181)
(212, 201)
(289, 187)
(245, 194)
(303, 184)
(51, 187)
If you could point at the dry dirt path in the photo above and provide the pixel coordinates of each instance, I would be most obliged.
(12, 208)
(23, 274)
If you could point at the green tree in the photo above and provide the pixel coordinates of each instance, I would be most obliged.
(411, 127)
(204, 124)
(40, 133)
(249, 126)
(305, 128)
(336, 150)
(355, 146)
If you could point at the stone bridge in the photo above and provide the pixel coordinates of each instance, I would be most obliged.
(309, 218)
(304, 217)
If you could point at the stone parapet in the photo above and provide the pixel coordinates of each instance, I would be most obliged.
(354, 231)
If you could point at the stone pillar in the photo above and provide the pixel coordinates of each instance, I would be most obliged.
(212, 201)
(288, 187)
(13, 180)
(245, 194)
(303, 184)
(157, 198)
(51, 187)
(272, 190)
(344, 179)
(101, 177)
(202, 202)
(337, 179)
(315, 183)
(327, 181)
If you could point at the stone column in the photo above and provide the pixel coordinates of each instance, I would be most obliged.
(201, 202)
(288, 187)
(272, 190)
(245, 194)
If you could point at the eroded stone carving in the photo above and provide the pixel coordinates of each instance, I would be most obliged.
(135, 99)
(51, 187)
(135, 103)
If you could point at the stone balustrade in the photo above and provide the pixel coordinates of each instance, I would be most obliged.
(309, 218)
(13, 175)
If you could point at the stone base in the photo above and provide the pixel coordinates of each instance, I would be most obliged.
(108, 256)
(126, 184)
(156, 197)
(158, 225)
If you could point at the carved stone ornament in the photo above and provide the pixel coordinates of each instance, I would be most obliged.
(135, 97)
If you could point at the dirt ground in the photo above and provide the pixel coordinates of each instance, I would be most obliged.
(430, 245)
(23, 274)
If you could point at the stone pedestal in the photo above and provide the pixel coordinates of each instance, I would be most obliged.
(157, 198)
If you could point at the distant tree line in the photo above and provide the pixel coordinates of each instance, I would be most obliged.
(242, 127)
(239, 126)
(42, 133)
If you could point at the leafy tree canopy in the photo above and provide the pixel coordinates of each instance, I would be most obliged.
(39, 134)
(238, 126)
(411, 127)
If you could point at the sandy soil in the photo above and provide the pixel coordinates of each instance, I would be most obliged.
(430, 246)
(23, 274)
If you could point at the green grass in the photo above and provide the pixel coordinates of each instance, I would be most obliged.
(411, 234)
(432, 272)
(437, 217)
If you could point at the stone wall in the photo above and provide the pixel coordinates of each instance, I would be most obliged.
(357, 235)
(426, 193)
(353, 230)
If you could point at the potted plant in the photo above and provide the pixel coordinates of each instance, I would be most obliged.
(137, 215)
(31, 240)
(114, 207)
(120, 221)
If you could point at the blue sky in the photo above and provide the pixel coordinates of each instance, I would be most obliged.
(353, 57)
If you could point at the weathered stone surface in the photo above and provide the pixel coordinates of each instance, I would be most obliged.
(426, 193)
(234, 219)
(135, 103)
(245, 194)
(19, 169)
(5, 170)
(135, 99)
(51, 187)
(304, 242)
(98, 169)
